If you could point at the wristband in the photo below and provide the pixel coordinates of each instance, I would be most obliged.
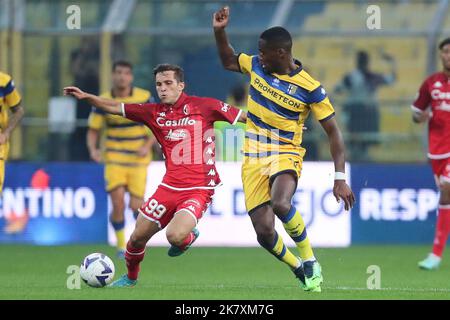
(339, 176)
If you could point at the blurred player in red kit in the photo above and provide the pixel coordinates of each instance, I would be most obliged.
(183, 126)
(432, 105)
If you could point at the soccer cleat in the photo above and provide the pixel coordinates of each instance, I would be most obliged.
(175, 251)
(431, 262)
(123, 282)
(300, 275)
(313, 276)
(120, 254)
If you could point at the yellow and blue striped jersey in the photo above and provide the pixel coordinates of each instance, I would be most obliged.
(278, 106)
(123, 137)
(9, 98)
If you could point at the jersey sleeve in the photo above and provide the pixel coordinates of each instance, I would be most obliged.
(96, 119)
(245, 63)
(221, 111)
(138, 112)
(320, 104)
(423, 98)
(12, 96)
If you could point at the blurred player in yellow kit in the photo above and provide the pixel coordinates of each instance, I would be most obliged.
(126, 149)
(10, 100)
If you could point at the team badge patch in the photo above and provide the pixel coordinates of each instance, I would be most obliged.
(292, 89)
(186, 109)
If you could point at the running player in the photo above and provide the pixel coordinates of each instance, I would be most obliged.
(183, 126)
(432, 105)
(127, 149)
(281, 97)
(10, 101)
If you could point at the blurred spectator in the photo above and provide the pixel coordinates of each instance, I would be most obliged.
(229, 138)
(84, 66)
(361, 107)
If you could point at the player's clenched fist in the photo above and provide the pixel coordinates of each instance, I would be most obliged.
(75, 92)
(220, 18)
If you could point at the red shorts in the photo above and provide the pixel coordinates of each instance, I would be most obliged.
(441, 169)
(165, 202)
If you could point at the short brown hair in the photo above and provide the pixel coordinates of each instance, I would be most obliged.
(444, 43)
(122, 63)
(179, 72)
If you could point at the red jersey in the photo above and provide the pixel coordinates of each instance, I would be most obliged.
(435, 94)
(185, 132)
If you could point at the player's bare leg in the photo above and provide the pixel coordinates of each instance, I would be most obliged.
(135, 204)
(433, 260)
(117, 218)
(282, 190)
(181, 232)
(263, 220)
(143, 232)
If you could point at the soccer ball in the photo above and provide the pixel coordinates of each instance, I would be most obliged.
(97, 270)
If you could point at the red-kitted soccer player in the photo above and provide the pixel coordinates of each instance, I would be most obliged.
(183, 126)
(433, 106)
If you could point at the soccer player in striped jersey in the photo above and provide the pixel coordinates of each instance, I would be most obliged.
(281, 97)
(127, 149)
(10, 101)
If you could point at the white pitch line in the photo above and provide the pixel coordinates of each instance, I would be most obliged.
(391, 289)
(343, 288)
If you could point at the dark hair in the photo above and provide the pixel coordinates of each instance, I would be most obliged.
(362, 57)
(277, 37)
(179, 72)
(122, 63)
(444, 43)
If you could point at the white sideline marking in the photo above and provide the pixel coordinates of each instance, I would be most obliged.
(343, 288)
(391, 289)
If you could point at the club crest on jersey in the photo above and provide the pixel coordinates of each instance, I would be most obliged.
(225, 107)
(186, 109)
(292, 89)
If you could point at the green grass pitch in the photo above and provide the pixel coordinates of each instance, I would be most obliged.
(28, 272)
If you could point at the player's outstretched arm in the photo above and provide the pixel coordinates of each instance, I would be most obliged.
(340, 190)
(107, 105)
(17, 115)
(226, 52)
